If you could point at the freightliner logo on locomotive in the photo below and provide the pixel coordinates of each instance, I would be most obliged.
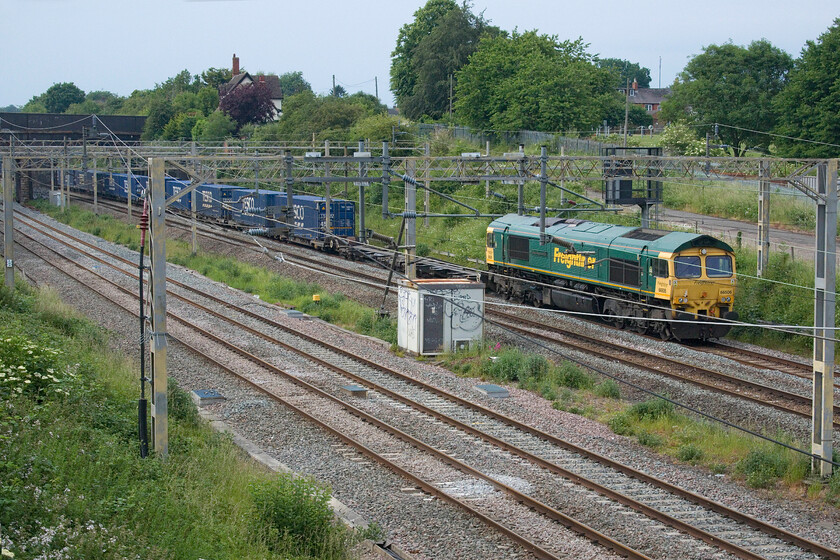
(570, 260)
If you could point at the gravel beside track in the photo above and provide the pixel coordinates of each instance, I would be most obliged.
(416, 521)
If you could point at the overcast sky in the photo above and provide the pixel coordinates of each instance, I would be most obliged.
(123, 45)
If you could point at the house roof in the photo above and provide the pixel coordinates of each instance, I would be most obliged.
(272, 81)
(650, 95)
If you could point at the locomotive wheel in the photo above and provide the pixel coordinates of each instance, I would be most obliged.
(613, 314)
(639, 324)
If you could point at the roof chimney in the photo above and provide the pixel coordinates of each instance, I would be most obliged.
(235, 64)
(635, 84)
(262, 79)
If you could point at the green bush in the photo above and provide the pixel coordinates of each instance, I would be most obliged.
(508, 366)
(180, 404)
(621, 424)
(571, 375)
(29, 368)
(607, 389)
(536, 366)
(761, 468)
(652, 409)
(689, 453)
(294, 508)
(649, 439)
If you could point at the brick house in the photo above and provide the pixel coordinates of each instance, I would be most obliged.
(244, 78)
(648, 98)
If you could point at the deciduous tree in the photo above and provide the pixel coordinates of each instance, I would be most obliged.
(809, 107)
(403, 76)
(436, 59)
(292, 83)
(217, 126)
(60, 96)
(249, 103)
(627, 71)
(733, 86)
(535, 82)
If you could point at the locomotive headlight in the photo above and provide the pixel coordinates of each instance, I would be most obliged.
(702, 251)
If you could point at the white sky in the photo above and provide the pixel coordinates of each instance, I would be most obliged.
(123, 45)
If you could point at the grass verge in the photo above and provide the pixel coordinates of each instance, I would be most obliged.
(72, 484)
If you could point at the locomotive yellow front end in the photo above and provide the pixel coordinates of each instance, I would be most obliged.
(701, 288)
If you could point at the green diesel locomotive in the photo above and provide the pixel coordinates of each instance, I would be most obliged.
(677, 285)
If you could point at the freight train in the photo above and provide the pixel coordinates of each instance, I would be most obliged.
(257, 210)
(677, 285)
(680, 286)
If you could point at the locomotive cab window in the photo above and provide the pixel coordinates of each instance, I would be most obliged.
(519, 247)
(687, 267)
(659, 268)
(490, 241)
(719, 266)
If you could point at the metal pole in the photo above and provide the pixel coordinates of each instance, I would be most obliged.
(84, 157)
(386, 179)
(410, 220)
(142, 404)
(626, 110)
(362, 186)
(520, 207)
(763, 217)
(8, 217)
(52, 180)
(290, 210)
(194, 206)
(426, 202)
(128, 185)
(256, 169)
(825, 274)
(157, 346)
(486, 170)
(562, 175)
(346, 172)
(65, 180)
(327, 198)
(543, 185)
(95, 188)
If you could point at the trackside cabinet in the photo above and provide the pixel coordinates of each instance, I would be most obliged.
(440, 315)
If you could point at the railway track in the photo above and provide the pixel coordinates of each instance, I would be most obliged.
(763, 361)
(701, 377)
(716, 525)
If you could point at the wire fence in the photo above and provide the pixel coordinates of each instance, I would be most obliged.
(524, 137)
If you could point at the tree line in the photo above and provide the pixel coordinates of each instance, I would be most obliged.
(451, 65)
(449, 61)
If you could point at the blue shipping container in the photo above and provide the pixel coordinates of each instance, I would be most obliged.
(257, 208)
(209, 200)
(173, 187)
(310, 217)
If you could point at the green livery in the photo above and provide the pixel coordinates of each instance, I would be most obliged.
(650, 280)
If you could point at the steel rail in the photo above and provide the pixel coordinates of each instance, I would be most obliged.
(779, 393)
(773, 531)
(429, 487)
